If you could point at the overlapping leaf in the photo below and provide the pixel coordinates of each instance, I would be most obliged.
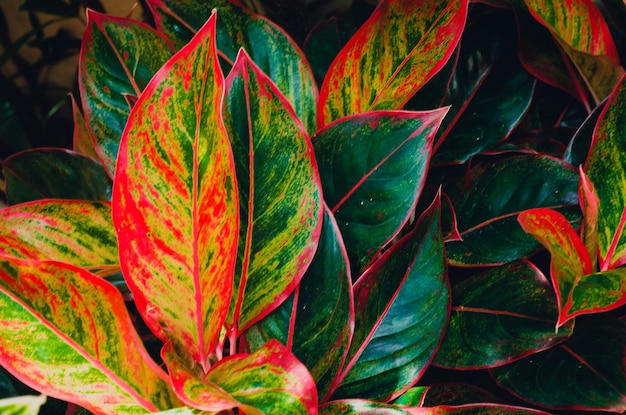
(500, 316)
(488, 206)
(359, 407)
(67, 332)
(585, 373)
(391, 348)
(54, 173)
(81, 139)
(118, 57)
(606, 169)
(376, 71)
(268, 381)
(267, 44)
(280, 194)
(80, 233)
(373, 167)
(450, 393)
(175, 208)
(22, 405)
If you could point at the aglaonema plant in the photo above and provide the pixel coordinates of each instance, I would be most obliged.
(226, 236)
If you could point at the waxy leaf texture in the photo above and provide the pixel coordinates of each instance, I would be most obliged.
(175, 207)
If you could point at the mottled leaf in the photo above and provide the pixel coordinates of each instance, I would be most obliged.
(375, 71)
(361, 407)
(175, 208)
(22, 405)
(81, 139)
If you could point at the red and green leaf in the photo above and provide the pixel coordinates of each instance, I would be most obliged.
(79, 233)
(81, 139)
(271, 49)
(66, 333)
(117, 59)
(175, 208)
(373, 168)
(606, 169)
(376, 71)
(590, 206)
(270, 380)
(391, 348)
(499, 316)
(22, 405)
(278, 184)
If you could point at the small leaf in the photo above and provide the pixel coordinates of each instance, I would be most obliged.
(499, 316)
(278, 184)
(22, 405)
(375, 71)
(175, 208)
(81, 139)
(590, 205)
(67, 333)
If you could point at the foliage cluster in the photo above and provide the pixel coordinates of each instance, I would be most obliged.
(355, 225)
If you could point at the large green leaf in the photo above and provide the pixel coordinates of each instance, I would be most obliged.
(22, 405)
(175, 207)
(373, 167)
(54, 173)
(267, 44)
(268, 381)
(66, 333)
(588, 372)
(376, 71)
(117, 59)
(279, 193)
(606, 169)
(452, 393)
(362, 407)
(487, 207)
(500, 316)
(76, 232)
(391, 348)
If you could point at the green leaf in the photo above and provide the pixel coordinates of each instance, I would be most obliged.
(391, 348)
(268, 45)
(487, 207)
(175, 208)
(477, 409)
(67, 333)
(579, 146)
(361, 407)
(585, 373)
(451, 393)
(117, 59)
(375, 71)
(373, 167)
(278, 184)
(54, 173)
(22, 405)
(499, 316)
(75, 232)
(606, 169)
(268, 381)
(81, 139)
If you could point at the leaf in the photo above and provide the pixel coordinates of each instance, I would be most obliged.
(451, 393)
(117, 59)
(499, 316)
(373, 168)
(75, 232)
(579, 146)
(22, 405)
(54, 173)
(278, 184)
(590, 205)
(375, 71)
(391, 348)
(81, 139)
(267, 44)
(67, 333)
(487, 207)
(476, 409)
(606, 169)
(175, 208)
(361, 406)
(584, 35)
(268, 381)
(586, 373)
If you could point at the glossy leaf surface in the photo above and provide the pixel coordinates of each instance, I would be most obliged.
(268, 45)
(585, 373)
(278, 184)
(54, 173)
(118, 57)
(500, 316)
(391, 348)
(361, 406)
(373, 167)
(606, 169)
(175, 208)
(375, 71)
(450, 393)
(80, 233)
(268, 381)
(488, 205)
(67, 332)
(22, 405)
